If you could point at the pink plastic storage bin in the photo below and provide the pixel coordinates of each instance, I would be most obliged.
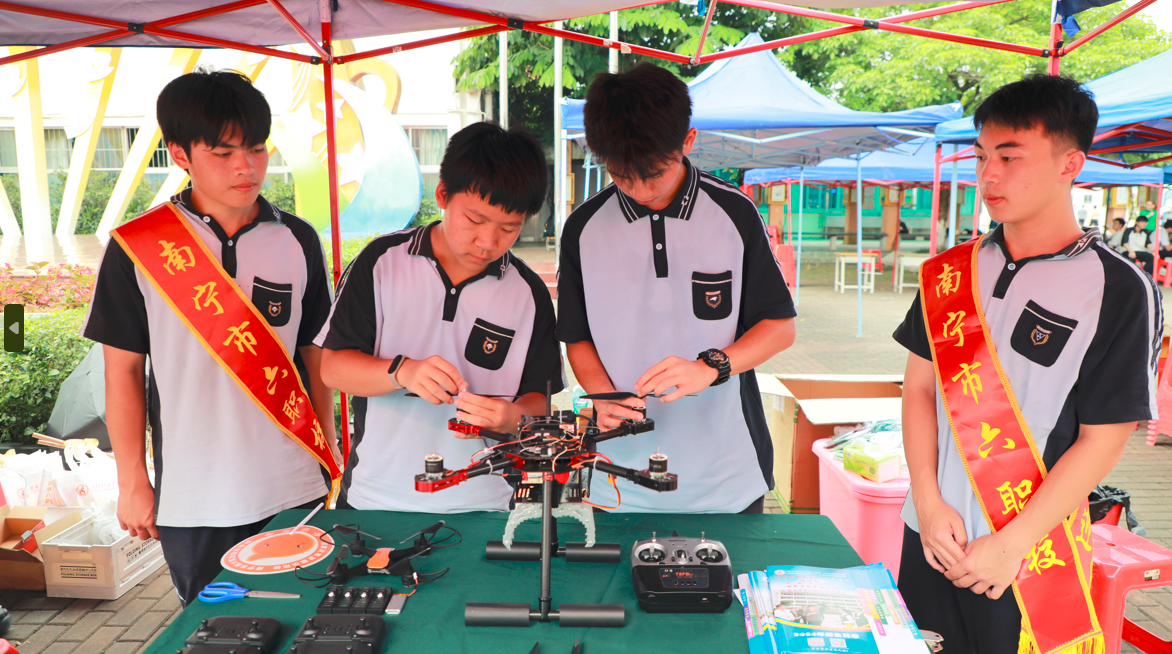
(866, 512)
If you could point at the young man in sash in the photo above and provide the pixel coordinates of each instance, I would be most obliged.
(225, 293)
(446, 312)
(667, 287)
(1032, 356)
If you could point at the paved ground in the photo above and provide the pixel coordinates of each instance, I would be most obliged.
(827, 343)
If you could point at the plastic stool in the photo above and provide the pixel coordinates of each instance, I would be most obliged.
(878, 259)
(1162, 272)
(1124, 562)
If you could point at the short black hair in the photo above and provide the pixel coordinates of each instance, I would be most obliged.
(1062, 107)
(1141, 217)
(1120, 221)
(212, 106)
(505, 167)
(638, 120)
(1168, 224)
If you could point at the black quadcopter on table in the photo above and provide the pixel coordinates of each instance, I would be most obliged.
(549, 462)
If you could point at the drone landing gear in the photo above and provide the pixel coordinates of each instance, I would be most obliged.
(568, 615)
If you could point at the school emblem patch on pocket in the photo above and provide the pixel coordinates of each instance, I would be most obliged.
(712, 298)
(1040, 336)
(273, 300)
(488, 345)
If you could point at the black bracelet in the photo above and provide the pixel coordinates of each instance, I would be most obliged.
(395, 368)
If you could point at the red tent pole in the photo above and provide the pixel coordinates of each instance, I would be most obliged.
(1156, 257)
(1055, 64)
(789, 215)
(301, 31)
(332, 168)
(935, 202)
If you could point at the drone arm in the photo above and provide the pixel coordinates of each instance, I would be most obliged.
(628, 428)
(660, 482)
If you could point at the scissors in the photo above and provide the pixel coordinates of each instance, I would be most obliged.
(222, 591)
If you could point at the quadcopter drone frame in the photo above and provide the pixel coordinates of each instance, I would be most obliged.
(548, 451)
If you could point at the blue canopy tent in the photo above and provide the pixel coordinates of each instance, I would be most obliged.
(753, 113)
(914, 165)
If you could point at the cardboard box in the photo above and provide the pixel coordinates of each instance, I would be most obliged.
(809, 407)
(21, 560)
(75, 567)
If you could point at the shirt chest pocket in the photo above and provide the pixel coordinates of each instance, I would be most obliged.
(1040, 335)
(488, 345)
(274, 301)
(712, 295)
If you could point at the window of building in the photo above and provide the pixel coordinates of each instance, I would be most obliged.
(430, 181)
(111, 150)
(7, 148)
(58, 150)
(161, 157)
(429, 144)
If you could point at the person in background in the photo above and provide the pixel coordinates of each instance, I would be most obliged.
(1114, 237)
(1149, 212)
(1166, 239)
(1138, 244)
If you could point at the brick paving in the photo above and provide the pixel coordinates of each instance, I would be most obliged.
(827, 343)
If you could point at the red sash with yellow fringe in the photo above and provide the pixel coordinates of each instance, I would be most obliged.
(178, 264)
(1002, 460)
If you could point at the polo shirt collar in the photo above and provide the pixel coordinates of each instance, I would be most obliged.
(421, 246)
(268, 211)
(680, 207)
(1090, 236)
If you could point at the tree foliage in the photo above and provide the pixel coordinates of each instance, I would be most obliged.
(886, 71)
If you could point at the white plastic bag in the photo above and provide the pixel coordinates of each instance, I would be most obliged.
(92, 476)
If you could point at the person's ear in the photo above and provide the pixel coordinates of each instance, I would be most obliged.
(1073, 162)
(689, 141)
(441, 195)
(179, 156)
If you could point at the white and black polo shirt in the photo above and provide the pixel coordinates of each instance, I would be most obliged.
(219, 460)
(496, 328)
(1101, 321)
(643, 285)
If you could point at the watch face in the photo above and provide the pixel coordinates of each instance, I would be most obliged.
(718, 357)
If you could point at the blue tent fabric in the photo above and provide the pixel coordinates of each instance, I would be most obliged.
(913, 163)
(1140, 93)
(752, 112)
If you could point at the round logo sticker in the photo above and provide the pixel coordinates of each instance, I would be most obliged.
(278, 551)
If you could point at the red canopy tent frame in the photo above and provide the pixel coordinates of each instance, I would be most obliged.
(496, 23)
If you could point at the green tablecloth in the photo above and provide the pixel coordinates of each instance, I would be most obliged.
(433, 619)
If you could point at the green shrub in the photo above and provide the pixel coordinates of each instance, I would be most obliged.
(98, 190)
(30, 380)
(350, 249)
(280, 193)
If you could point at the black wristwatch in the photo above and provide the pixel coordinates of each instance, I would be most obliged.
(719, 360)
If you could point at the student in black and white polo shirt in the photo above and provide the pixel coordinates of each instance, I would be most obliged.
(667, 281)
(222, 467)
(443, 310)
(1077, 329)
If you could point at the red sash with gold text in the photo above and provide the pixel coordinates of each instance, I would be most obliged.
(178, 264)
(1002, 460)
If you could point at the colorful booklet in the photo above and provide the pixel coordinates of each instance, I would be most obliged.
(813, 610)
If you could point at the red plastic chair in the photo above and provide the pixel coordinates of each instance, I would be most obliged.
(1163, 425)
(1124, 562)
(785, 258)
(1163, 272)
(774, 236)
(878, 259)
